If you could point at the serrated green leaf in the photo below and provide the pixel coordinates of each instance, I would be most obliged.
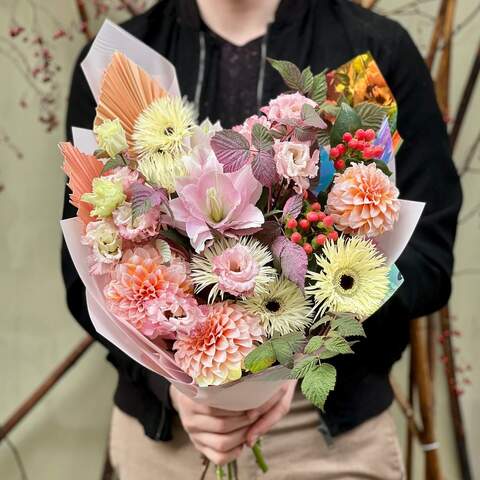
(118, 161)
(321, 321)
(319, 88)
(318, 383)
(371, 114)
(348, 327)
(337, 344)
(289, 71)
(286, 346)
(326, 354)
(303, 366)
(310, 117)
(347, 121)
(260, 358)
(306, 81)
(329, 109)
(323, 137)
(314, 344)
(261, 137)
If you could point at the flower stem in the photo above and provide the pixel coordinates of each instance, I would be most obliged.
(230, 475)
(257, 451)
(220, 472)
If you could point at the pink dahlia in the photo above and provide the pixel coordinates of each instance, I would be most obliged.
(287, 106)
(363, 201)
(212, 352)
(150, 295)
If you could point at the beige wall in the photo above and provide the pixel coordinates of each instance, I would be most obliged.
(65, 436)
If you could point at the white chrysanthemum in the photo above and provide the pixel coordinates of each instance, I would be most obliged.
(352, 277)
(235, 266)
(160, 136)
(281, 309)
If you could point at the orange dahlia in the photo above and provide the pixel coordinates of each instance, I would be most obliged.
(213, 350)
(363, 201)
(150, 294)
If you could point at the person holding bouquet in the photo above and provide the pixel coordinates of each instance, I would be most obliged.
(220, 51)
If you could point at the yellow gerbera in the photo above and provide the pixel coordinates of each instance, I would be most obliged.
(352, 278)
(160, 135)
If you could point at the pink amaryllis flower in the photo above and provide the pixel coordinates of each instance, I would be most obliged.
(149, 294)
(213, 349)
(363, 201)
(219, 201)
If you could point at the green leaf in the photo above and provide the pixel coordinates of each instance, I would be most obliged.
(329, 109)
(290, 73)
(286, 346)
(314, 344)
(348, 327)
(371, 114)
(318, 382)
(260, 358)
(319, 88)
(321, 321)
(326, 354)
(303, 366)
(261, 137)
(306, 81)
(337, 344)
(311, 118)
(323, 138)
(118, 161)
(347, 121)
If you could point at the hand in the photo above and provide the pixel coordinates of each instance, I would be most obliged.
(270, 413)
(219, 434)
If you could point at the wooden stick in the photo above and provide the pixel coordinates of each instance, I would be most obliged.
(425, 397)
(432, 342)
(406, 408)
(466, 97)
(21, 412)
(436, 35)
(82, 12)
(409, 449)
(455, 409)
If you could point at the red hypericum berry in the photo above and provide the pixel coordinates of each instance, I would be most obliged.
(292, 223)
(334, 153)
(328, 221)
(369, 135)
(341, 148)
(312, 217)
(304, 224)
(353, 144)
(321, 239)
(339, 164)
(315, 206)
(361, 145)
(360, 134)
(321, 216)
(308, 248)
(347, 136)
(296, 237)
(378, 151)
(333, 236)
(368, 152)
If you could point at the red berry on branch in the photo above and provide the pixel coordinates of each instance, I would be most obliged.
(347, 136)
(334, 153)
(339, 164)
(292, 223)
(296, 237)
(333, 236)
(304, 224)
(378, 151)
(328, 221)
(361, 145)
(341, 148)
(368, 152)
(312, 217)
(321, 239)
(315, 206)
(308, 248)
(360, 134)
(370, 135)
(353, 144)
(321, 216)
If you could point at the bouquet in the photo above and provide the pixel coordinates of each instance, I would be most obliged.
(231, 261)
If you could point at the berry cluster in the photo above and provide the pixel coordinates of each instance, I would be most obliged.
(355, 147)
(312, 229)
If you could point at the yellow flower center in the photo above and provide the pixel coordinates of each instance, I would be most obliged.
(215, 207)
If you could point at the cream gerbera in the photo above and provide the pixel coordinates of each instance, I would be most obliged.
(353, 277)
(239, 267)
(281, 309)
(160, 135)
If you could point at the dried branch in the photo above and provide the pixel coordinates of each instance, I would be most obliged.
(82, 12)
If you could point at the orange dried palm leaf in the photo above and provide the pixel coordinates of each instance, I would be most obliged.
(126, 91)
(81, 169)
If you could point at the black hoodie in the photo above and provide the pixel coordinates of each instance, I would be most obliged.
(322, 34)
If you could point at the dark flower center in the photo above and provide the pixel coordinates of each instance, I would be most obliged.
(346, 282)
(273, 306)
(168, 131)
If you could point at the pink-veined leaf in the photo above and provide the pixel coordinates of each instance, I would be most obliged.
(311, 117)
(293, 260)
(293, 206)
(264, 168)
(269, 231)
(231, 149)
(144, 198)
